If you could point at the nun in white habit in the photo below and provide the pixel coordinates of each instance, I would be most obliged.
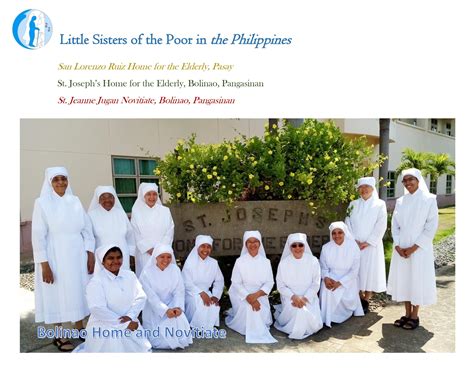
(152, 224)
(200, 273)
(368, 222)
(164, 311)
(340, 259)
(63, 250)
(110, 222)
(414, 223)
(252, 282)
(115, 298)
(298, 280)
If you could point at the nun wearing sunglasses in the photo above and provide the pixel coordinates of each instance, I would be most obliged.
(298, 280)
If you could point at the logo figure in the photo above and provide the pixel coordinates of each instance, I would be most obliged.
(32, 29)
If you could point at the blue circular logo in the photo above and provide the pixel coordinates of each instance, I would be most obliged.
(32, 29)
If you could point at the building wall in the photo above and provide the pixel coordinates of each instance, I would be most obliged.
(85, 147)
(421, 140)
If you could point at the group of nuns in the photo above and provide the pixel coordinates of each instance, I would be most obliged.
(82, 268)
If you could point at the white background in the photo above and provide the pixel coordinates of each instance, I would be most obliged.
(348, 59)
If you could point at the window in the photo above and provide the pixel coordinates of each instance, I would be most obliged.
(433, 185)
(128, 173)
(449, 130)
(391, 187)
(449, 184)
(434, 125)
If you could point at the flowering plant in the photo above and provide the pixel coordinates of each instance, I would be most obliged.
(313, 162)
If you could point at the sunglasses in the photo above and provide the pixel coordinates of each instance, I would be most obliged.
(297, 245)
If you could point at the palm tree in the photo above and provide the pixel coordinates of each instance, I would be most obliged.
(439, 164)
(411, 158)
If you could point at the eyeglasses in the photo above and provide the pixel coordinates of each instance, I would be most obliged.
(293, 245)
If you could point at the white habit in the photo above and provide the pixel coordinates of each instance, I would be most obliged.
(110, 297)
(165, 290)
(199, 276)
(251, 274)
(152, 226)
(340, 263)
(300, 277)
(367, 223)
(61, 236)
(414, 221)
(113, 226)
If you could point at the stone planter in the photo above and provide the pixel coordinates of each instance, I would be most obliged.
(274, 219)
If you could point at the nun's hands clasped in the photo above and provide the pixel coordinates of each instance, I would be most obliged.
(252, 299)
(362, 245)
(47, 273)
(173, 312)
(298, 301)
(132, 325)
(331, 284)
(206, 299)
(215, 300)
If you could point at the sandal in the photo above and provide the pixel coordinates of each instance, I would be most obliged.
(61, 344)
(411, 324)
(401, 322)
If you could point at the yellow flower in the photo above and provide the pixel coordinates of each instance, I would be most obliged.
(267, 188)
(230, 192)
(289, 197)
(309, 181)
(191, 166)
(270, 152)
(233, 185)
(250, 176)
(254, 163)
(204, 170)
(193, 199)
(352, 197)
(209, 176)
(214, 173)
(192, 150)
(225, 158)
(357, 153)
(223, 187)
(281, 184)
(178, 195)
(313, 212)
(181, 141)
(326, 157)
(214, 168)
(157, 172)
(252, 158)
(274, 126)
(311, 203)
(179, 158)
(388, 184)
(339, 177)
(292, 174)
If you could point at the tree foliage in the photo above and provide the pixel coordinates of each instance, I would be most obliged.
(313, 162)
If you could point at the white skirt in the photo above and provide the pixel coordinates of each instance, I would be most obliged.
(298, 323)
(254, 325)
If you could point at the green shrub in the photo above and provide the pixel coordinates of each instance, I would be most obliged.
(313, 162)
